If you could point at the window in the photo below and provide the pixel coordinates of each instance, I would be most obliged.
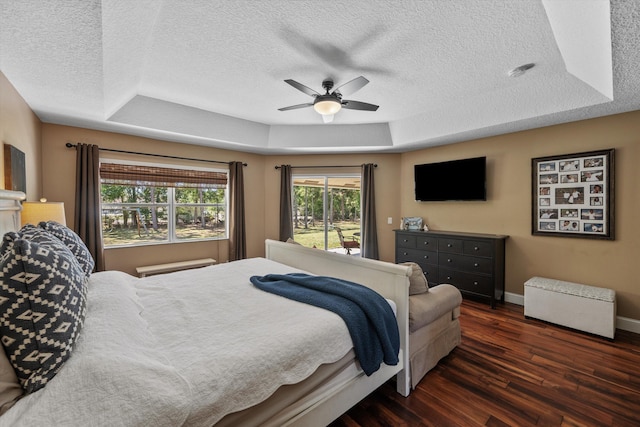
(320, 204)
(147, 204)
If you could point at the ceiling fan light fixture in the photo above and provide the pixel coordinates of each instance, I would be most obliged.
(327, 105)
(330, 103)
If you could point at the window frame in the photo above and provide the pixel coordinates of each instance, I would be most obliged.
(326, 177)
(171, 205)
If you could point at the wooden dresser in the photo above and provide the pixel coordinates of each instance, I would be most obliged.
(474, 263)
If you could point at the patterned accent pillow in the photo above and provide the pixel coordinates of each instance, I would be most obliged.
(73, 242)
(27, 232)
(42, 305)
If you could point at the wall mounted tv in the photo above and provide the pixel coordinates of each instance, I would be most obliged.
(453, 180)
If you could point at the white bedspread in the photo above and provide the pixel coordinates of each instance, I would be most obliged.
(184, 348)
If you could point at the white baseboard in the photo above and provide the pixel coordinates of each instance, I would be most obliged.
(627, 324)
(514, 298)
(622, 323)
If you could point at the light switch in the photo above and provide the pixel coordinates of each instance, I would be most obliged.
(389, 220)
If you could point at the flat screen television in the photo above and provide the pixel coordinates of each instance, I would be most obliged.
(453, 180)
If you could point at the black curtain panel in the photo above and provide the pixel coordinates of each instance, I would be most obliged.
(87, 218)
(237, 229)
(286, 207)
(369, 243)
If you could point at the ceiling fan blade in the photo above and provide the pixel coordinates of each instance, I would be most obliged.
(295, 107)
(327, 118)
(352, 86)
(302, 88)
(357, 105)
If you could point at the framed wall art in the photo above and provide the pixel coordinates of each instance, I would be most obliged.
(572, 195)
(14, 169)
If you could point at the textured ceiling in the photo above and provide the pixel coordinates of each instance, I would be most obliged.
(212, 72)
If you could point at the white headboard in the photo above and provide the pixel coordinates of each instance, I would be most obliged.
(10, 208)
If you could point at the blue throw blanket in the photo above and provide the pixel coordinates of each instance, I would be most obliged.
(368, 316)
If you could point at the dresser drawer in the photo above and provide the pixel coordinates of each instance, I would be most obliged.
(466, 263)
(414, 255)
(427, 243)
(431, 273)
(475, 248)
(406, 241)
(453, 246)
(482, 285)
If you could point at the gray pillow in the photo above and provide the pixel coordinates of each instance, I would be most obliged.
(42, 305)
(417, 281)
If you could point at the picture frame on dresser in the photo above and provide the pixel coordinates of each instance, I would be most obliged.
(411, 223)
(573, 195)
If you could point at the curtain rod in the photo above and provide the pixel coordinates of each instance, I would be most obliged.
(325, 166)
(70, 145)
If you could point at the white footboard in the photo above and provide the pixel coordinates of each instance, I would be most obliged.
(389, 280)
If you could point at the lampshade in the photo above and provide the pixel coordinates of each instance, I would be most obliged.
(34, 212)
(328, 105)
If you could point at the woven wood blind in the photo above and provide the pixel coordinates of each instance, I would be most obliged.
(114, 173)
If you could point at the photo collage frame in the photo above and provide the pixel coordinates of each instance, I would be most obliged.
(572, 195)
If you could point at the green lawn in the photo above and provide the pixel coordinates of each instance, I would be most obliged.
(315, 235)
(131, 235)
(309, 237)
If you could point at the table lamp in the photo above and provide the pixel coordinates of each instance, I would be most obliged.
(34, 212)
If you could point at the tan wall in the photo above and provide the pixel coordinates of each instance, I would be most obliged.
(386, 188)
(20, 127)
(508, 208)
(59, 185)
(507, 211)
(262, 191)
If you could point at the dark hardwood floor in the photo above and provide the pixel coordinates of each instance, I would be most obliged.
(512, 371)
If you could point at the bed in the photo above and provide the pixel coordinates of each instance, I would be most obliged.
(204, 346)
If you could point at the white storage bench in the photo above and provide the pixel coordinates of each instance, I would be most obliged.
(586, 308)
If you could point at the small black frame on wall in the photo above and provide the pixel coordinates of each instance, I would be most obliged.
(573, 195)
(15, 177)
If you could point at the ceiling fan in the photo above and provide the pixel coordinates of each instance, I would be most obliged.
(331, 102)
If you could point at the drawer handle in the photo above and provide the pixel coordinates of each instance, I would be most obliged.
(426, 243)
(405, 240)
(448, 277)
(475, 264)
(404, 253)
(449, 260)
(426, 257)
(475, 248)
(475, 283)
(449, 245)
